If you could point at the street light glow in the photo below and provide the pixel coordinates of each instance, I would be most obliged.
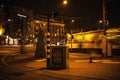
(73, 20)
(65, 2)
(100, 21)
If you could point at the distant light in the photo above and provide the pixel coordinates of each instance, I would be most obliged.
(100, 21)
(2, 5)
(33, 36)
(21, 15)
(117, 35)
(44, 24)
(1, 31)
(9, 20)
(37, 21)
(73, 20)
(7, 36)
(58, 43)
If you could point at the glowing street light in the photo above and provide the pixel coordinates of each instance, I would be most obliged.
(72, 20)
(100, 21)
(65, 2)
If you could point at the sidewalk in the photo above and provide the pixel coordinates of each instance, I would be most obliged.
(79, 67)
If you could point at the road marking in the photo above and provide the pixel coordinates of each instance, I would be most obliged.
(8, 52)
(3, 61)
(41, 60)
(81, 61)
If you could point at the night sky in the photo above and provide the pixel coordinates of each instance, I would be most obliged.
(88, 11)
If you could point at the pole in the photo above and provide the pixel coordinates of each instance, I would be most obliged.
(48, 41)
(22, 37)
(104, 16)
(104, 41)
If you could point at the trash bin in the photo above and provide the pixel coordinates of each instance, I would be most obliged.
(58, 57)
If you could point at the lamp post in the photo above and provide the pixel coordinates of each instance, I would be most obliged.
(49, 33)
(104, 24)
(104, 21)
(22, 32)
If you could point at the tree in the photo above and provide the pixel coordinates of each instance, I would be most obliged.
(40, 46)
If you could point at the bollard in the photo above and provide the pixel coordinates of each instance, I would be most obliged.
(48, 50)
(22, 50)
(91, 60)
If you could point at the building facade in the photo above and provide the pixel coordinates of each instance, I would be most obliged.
(21, 24)
(96, 42)
(56, 27)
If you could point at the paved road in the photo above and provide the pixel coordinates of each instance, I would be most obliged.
(26, 67)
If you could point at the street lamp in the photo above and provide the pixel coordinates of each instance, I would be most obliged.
(65, 2)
